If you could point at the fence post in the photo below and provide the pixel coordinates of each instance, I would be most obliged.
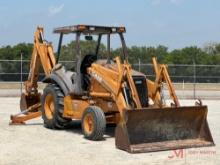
(194, 79)
(183, 89)
(21, 79)
(139, 64)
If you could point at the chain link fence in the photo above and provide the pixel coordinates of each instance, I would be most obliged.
(185, 73)
(18, 70)
(187, 78)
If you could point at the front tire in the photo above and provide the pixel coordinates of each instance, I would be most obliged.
(93, 123)
(52, 108)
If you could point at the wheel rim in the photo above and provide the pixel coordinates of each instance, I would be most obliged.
(88, 124)
(49, 106)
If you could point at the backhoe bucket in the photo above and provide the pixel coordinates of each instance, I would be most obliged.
(27, 101)
(148, 130)
(30, 108)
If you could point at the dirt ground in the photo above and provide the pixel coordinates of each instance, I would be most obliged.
(33, 144)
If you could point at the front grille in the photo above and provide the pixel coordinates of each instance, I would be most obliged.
(141, 87)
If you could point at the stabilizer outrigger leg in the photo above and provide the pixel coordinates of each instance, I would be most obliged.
(30, 113)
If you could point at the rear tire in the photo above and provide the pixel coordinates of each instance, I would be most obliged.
(93, 123)
(52, 107)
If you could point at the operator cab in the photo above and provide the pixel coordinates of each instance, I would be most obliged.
(90, 33)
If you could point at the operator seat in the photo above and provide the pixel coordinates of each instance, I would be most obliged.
(86, 62)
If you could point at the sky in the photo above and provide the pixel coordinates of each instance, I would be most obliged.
(173, 23)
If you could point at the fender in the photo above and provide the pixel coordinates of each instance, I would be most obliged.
(62, 78)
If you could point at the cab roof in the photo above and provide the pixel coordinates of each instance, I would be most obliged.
(90, 29)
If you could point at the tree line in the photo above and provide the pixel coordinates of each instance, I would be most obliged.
(207, 55)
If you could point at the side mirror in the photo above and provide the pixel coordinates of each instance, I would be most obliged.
(88, 38)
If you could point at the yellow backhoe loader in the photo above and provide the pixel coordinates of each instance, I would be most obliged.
(107, 90)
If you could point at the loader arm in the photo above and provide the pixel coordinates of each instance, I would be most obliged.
(115, 83)
(162, 75)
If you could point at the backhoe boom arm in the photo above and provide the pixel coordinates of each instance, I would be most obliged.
(42, 54)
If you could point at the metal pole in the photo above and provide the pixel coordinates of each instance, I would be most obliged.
(194, 79)
(59, 47)
(21, 74)
(183, 89)
(124, 47)
(139, 64)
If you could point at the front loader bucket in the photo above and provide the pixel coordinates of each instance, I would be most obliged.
(148, 130)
